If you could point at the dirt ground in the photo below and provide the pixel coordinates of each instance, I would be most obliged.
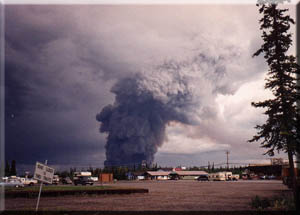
(164, 196)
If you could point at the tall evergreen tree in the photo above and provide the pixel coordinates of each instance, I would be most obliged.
(279, 132)
(7, 169)
(13, 169)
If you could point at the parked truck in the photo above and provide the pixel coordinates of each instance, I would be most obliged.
(55, 179)
(235, 177)
(28, 181)
(228, 176)
(82, 178)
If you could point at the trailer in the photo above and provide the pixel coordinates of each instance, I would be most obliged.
(219, 176)
(82, 178)
(77, 174)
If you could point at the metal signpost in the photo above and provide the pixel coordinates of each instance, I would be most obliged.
(44, 174)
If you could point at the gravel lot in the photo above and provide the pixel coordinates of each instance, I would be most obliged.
(164, 195)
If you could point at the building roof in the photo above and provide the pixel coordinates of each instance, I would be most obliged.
(158, 173)
(181, 173)
(260, 164)
(191, 173)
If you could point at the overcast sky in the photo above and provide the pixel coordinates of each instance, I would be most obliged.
(62, 61)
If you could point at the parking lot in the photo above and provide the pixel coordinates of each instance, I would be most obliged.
(181, 195)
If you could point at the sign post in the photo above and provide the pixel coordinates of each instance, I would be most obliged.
(44, 174)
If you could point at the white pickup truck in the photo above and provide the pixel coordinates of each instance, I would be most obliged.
(28, 181)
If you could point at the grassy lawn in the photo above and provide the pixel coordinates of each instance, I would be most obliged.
(55, 191)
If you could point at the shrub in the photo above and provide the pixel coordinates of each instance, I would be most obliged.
(260, 203)
(281, 203)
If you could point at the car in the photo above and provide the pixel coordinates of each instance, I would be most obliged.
(203, 178)
(83, 180)
(12, 183)
(66, 180)
(263, 177)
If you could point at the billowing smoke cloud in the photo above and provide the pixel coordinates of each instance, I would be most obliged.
(148, 101)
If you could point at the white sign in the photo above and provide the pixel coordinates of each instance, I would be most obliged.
(43, 173)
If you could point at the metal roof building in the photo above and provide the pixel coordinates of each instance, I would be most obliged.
(190, 173)
(174, 174)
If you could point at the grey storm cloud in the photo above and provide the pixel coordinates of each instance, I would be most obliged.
(64, 64)
(50, 86)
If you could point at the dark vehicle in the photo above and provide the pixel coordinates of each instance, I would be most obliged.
(263, 177)
(271, 177)
(234, 179)
(203, 178)
(66, 180)
(83, 180)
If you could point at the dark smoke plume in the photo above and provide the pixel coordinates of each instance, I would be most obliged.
(147, 102)
(136, 123)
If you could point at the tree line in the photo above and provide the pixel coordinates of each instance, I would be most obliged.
(10, 169)
(122, 172)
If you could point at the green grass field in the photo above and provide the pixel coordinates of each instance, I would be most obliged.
(61, 188)
(57, 190)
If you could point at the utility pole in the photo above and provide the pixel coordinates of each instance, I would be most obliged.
(227, 153)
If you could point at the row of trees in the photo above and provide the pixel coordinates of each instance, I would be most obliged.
(121, 172)
(10, 169)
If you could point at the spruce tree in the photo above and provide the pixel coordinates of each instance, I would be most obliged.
(7, 169)
(13, 170)
(279, 132)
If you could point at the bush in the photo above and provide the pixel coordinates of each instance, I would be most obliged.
(281, 203)
(260, 203)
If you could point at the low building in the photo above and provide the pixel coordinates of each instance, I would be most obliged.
(157, 175)
(186, 175)
(106, 177)
(265, 169)
(140, 175)
(173, 175)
